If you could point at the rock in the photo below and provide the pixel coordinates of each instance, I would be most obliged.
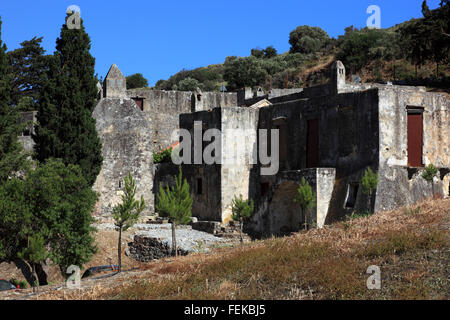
(145, 249)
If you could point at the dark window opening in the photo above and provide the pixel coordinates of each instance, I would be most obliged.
(120, 184)
(346, 131)
(312, 144)
(199, 186)
(199, 97)
(352, 192)
(26, 132)
(264, 188)
(139, 102)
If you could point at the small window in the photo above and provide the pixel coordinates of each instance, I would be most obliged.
(199, 97)
(199, 186)
(139, 102)
(264, 188)
(120, 184)
(352, 192)
(26, 132)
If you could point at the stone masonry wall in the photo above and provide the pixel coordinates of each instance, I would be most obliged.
(125, 135)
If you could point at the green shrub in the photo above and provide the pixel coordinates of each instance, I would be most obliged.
(369, 183)
(241, 209)
(162, 156)
(430, 172)
(306, 198)
(176, 203)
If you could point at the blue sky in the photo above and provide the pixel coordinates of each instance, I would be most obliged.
(159, 38)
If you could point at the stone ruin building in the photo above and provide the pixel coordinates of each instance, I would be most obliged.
(328, 134)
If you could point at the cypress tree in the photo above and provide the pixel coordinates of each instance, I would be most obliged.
(12, 159)
(66, 128)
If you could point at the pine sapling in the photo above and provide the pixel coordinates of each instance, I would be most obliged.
(126, 214)
(306, 198)
(241, 209)
(429, 174)
(369, 183)
(176, 203)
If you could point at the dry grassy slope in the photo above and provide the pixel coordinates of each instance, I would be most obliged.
(411, 246)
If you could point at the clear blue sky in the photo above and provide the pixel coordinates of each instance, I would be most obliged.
(159, 38)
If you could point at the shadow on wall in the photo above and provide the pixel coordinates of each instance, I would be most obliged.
(285, 216)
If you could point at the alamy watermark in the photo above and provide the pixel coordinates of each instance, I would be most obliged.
(74, 280)
(74, 20)
(241, 147)
(374, 280)
(374, 20)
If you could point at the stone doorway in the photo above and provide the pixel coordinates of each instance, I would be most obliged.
(285, 214)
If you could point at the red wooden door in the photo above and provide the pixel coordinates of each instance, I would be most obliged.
(312, 146)
(415, 139)
(139, 102)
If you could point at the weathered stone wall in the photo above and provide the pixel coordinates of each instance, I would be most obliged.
(348, 139)
(239, 132)
(396, 179)
(163, 109)
(115, 83)
(278, 214)
(125, 135)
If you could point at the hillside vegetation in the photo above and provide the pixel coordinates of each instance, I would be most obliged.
(414, 52)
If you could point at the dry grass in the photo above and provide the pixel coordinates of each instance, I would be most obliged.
(410, 245)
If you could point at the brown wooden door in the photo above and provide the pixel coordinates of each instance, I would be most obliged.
(415, 139)
(312, 146)
(139, 102)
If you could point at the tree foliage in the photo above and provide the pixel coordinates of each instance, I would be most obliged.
(163, 156)
(55, 202)
(34, 254)
(176, 203)
(430, 172)
(306, 199)
(241, 210)
(28, 69)
(66, 128)
(428, 38)
(136, 80)
(306, 39)
(189, 84)
(359, 47)
(12, 157)
(127, 213)
(369, 182)
(241, 72)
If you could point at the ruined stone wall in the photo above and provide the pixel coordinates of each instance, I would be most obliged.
(231, 177)
(348, 140)
(405, 185)
(163, 109)
(236, 171)
(126, 147)
(207, 203)
(278, 214)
